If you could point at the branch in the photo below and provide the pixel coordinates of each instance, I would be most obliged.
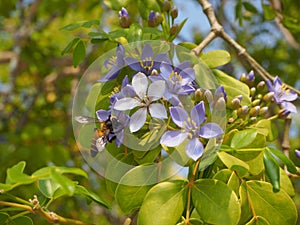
(217, 30)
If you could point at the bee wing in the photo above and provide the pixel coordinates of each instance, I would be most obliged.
(98, 145)
(85, 119)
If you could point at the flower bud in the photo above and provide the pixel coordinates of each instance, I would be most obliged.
(158, 18)
(252, 91)
(250, 77)
(167, 6)
(174, 12)
(259, 96)
(230, 120)
(174, 29)
(263, 111)
(268, 97)
(220, 104)
(243, 112)
(243, 78)
(235, 103)
(199, 95)
(256, 102)
(124, 18)
(208, 96)
(253, 119)
(261, 86)
(151, 19)
(254, 111)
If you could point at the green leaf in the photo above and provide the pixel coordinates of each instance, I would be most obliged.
(289, 163)
(70, 45)
(180, 26)
(5, 187)
(234, 164)
(272, 169)
(258, 220)
(48, 187)
(249, 7)
(266, 128)
(215, 202)
(3, 217)
(15, 175)
(80, 190)
(164, 203)
(233, 87)
(239, 12)
(188, 45)
(130, 197)
(286, 183)
(135, 33)
(24, 220)
(268, 12)
(204, 76)
(116, 4)
(246, 212)
(243, 138)
(66, 184)
(256, 165)
(79, 53)
(216, 58)
(276, 208)
(229, 178)
(86, 24)
(71, 170)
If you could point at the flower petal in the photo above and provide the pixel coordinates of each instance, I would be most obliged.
(166, 70)
(289, 96)
(173, 138)
(103, 115)
(110, 75)
(198, 113)
(133, 64)
(156, 90)
(138, 120)
(210, 130)
(158, 111)
(179, 115)
(188, 75)
(194, 149)
(147, 52)
(159, 59)
(126, 104)
(140, 84)
(289, 107)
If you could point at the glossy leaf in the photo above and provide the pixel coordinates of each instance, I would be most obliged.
(5, 187)
(79, 53)
(66, 184)
(266, 128)
(276, 208)
(233, 163)
(188, 45)
(3, 217)
(80, 190)
(246, 213)
(24, 220)
(272, 169)
(210, 196)
(48, 187)
(286, 183)
(216, 58)
(243, 138)
(280, 155)
(164, 203)
(15, 175)
(233, 87)
(258, 220)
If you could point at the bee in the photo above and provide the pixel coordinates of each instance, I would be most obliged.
(101, 136)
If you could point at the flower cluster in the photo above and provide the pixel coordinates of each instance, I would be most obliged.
(153, 89)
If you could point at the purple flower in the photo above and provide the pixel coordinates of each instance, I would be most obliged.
(151, 19)
(178, 81)
(114, 64)
(282, 95)
(250, 76)
(147, 63)
(297, 152)
(191, 129)
(145, 97)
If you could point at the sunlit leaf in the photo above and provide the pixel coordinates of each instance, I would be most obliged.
(164, 203)
(233, 163)
(210, 196)
(216, 58)
(66, 184)
(280, 155)
(243, 138)
(272, 169)
(15, 175)
(79, 53)
(276, 208)
(80, 190)
(258, 220)
(48, 187)
(70, 45)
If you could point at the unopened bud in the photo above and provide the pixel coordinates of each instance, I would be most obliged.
(254, 111)
(220, 104)
(243, 112)
(174, 29)
(199, 95)
(174, 12)
(243, 78)
(124, 18)
(151, 19)
(250, 78)
(268, 97)
(253, 119)
(158, 18)
(167, 6)
(256, 102)
(230, 120)
(208, 96)
(263, 111)
(235, 103)
(252, 91)
(261, 85)
(259, 96)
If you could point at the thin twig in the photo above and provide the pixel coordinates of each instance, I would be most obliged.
(219, 31)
